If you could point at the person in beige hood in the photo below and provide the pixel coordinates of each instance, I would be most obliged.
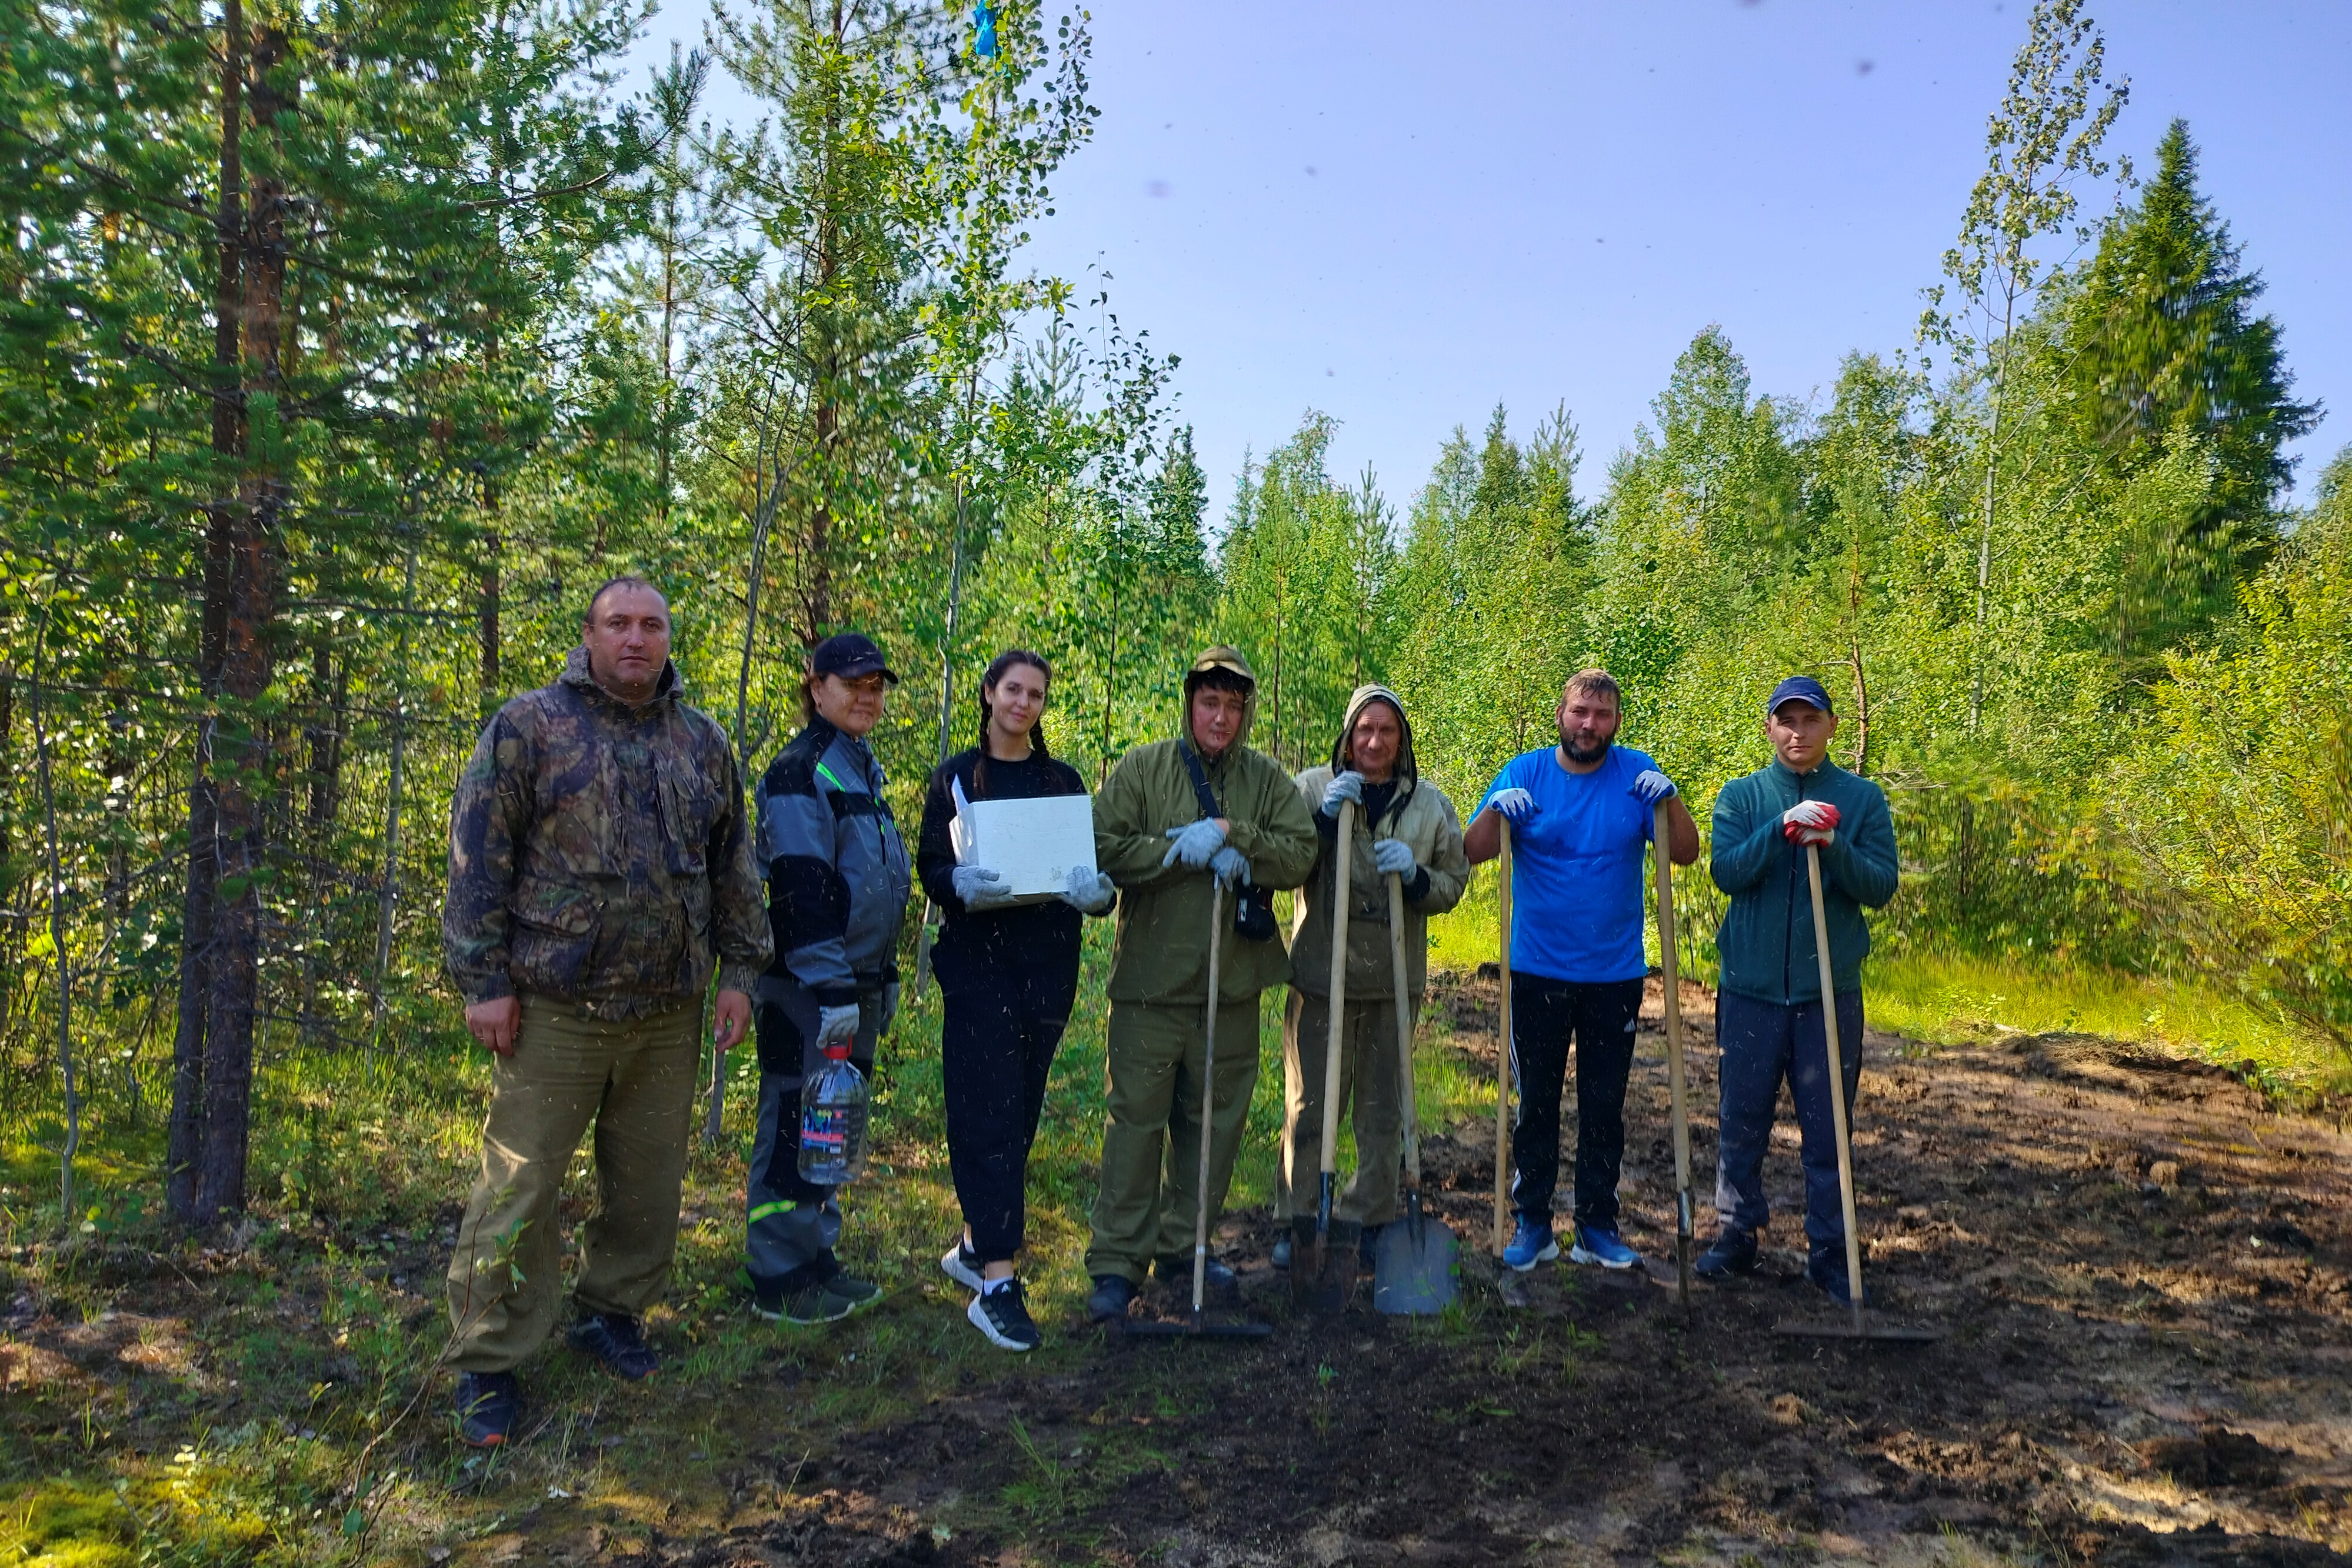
(1167, 854)
(1405, 826)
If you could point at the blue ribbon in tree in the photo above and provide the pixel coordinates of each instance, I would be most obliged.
(983, 31)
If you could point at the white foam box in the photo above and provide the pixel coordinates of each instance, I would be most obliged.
(1031, 845)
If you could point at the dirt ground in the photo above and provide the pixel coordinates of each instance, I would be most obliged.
(2138, 1265)
(2139, 1268)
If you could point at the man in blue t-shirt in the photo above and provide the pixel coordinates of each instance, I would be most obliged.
(1582, 817)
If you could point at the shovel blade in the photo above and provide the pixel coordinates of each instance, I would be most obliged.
(1323, 1264)
(1845, 1328)
(1414, 1264)
(1193, 1328)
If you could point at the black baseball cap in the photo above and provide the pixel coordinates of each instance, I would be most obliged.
(1799, 689)
(849, 654)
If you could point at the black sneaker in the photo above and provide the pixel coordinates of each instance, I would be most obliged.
(963, 1265)
(1218, 1282)
(1112, 1294)
(1003, 1317)
(617, 1343)
(1732, 1252)
(827, 1301)
(489, 1404)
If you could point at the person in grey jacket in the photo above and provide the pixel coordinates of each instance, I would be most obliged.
(838, 879)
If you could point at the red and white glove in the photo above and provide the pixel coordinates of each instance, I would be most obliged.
(1811, 823)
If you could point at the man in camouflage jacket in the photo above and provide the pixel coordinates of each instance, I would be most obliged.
(600, 871)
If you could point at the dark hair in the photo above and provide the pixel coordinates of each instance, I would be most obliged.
(995, 673)
(1217, 678)
(626, 580)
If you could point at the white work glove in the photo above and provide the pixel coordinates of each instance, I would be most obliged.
(1653, 787)
(1088, 891)
(1229, 867)
(1517, 804)
(836, 1025)
(980, 888)
(1343, 788)
(1392, 857)
(1811, 823)
(1194, 843)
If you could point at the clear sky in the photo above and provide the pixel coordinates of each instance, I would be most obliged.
(1402, 214)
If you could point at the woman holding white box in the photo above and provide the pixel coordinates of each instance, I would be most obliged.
(1008, 967)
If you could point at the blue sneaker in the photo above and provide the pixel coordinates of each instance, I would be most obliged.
(1606, 1248)
(1531, 1244)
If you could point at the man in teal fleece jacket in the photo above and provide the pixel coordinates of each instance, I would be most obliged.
(1768, 1005)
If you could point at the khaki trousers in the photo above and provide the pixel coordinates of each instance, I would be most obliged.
(1368, 1095)
(1145, 1204)
(634, 1079)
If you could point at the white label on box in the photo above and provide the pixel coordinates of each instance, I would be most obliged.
(1032, 844)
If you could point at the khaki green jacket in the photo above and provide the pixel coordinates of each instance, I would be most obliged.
(1425, 819)
(1161, 953)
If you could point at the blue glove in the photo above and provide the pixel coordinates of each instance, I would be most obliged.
(1344, 787)
(1228, 866)
(1088, 891)
(980, 888)
(836, 1025)
(1194, 844)
(1653, 787)
(1517, 804)
(1392, 857)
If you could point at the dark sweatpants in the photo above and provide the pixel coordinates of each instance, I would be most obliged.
(1599, 1015)
(1003, 1023)
(1763, 1043)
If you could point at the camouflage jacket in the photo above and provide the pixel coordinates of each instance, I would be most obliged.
(599, 852)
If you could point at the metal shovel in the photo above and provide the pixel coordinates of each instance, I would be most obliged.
(1413, 1263)
(1323, 1248)
(1197, 1326)
(1861, 1326)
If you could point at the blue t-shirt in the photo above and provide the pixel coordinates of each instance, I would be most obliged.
(1576, 867)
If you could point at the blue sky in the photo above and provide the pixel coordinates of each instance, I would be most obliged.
(1399, 215)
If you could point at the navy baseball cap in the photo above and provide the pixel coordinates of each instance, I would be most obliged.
(1799, 689)
(849, 655)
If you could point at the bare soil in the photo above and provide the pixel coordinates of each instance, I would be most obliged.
(2139, 1266)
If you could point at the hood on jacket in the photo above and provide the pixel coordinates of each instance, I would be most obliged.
(1221, 657)
(576, 673)
(1407, 774)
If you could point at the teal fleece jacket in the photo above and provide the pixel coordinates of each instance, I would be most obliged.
(1765, 941)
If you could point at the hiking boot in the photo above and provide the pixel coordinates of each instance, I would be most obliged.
(1606, 1248)
(489, 1406)
(617, 1342)
(1732, 1252)
(1827, 1273)
(1282, 1251)
(1003, 1317)
(827, 1301)
(1218, 1283)
(1531, 1244)
(1112, 1293)
(963, 1265)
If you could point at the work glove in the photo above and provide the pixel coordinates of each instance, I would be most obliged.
(980, 888)
(1088, 891)
(836, 1025)
(1811, 823)
(1194, 844)
(1653, 787)
(1343, 788)
(1517, 804)
(1229, 867)
(1392, 857)
(889, 1006)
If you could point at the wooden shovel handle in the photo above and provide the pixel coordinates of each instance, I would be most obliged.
(1503, 1056)
(1404, 1022)
(1343, 852)
(1837, 1083)
(1670, 978)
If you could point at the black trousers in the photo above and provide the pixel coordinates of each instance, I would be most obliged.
(1003, 1023)
(1546, 1015)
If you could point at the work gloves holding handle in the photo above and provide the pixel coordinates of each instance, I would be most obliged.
(1392, 857)
(1194, 844)
(1811, 823)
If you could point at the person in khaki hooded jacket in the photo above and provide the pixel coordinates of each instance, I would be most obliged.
(1406, 827)
(1169, 857)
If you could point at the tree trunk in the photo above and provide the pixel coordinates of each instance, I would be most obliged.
(488, 622)
(185, 1142)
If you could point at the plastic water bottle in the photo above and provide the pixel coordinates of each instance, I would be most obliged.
(832, 1121)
